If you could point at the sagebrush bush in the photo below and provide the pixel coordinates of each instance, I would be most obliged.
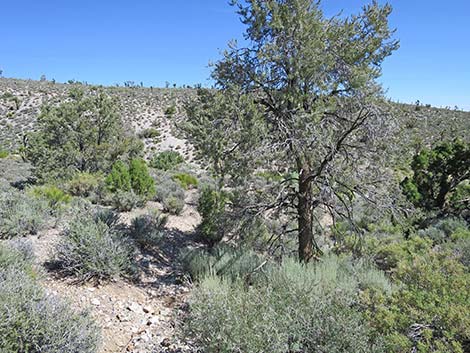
(30, 320)
(173, 205)
(147, 230)
(3, 153)
(93, 247)
(297, 308)
(85, 185)
(166, 187)
(125, 201)
(21, 214)
(166, 160)
(169, 193)
(16, 257)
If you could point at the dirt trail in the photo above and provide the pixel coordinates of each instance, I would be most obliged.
(140, 316)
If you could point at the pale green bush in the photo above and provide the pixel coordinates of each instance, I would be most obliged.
(169, 193)
(185, 180)
(55, 197)
(147, 230)
(33, 322)
(296, 308)
(173, 205)
(223, 261)
(86, 185)
(125, 201)
(93, 247)
(20, 214)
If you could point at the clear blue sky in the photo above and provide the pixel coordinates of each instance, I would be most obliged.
(153, 41)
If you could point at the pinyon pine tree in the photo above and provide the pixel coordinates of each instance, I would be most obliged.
(300, 100)
(83, 134)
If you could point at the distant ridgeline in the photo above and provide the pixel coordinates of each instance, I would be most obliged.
(21, 100)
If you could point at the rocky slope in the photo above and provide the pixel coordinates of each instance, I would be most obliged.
(141, 108)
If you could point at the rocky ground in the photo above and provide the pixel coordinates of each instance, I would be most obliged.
(135, 316)
(138, 316)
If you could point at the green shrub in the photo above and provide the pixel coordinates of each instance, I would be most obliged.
(136, 177)
(173, 205)
(141, 181)
(170, 111)
(20, 214)
(85, 185)
(4, 154)
(222, 261)
(149, 133)
(119, 178)
(185, 180)
(211, 206)
(166, 160)
(147, 230)
(297, 308)
(33, 322)
(94, 248)
(390, 251)
(12, 257)
(54, 196)
(125, 201)
(430, 311)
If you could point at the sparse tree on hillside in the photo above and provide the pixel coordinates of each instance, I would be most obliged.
(441, 178)
(301, 101)
(84, 134)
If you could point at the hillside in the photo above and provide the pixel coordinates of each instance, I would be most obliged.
(143, 108)
(144, 315)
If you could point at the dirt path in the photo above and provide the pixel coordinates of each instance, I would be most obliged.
(140, 316)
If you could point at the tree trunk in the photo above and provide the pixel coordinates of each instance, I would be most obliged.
(307, 245)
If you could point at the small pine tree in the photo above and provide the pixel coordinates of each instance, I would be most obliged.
(212, 208)
(119, 178)
(141, 181)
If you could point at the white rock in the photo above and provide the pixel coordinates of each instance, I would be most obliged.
(152, 321)
(95, 302)
(134, 307)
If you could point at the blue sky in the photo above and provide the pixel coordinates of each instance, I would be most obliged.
(154, 41)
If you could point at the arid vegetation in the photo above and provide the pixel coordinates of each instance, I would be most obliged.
(291, 208)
